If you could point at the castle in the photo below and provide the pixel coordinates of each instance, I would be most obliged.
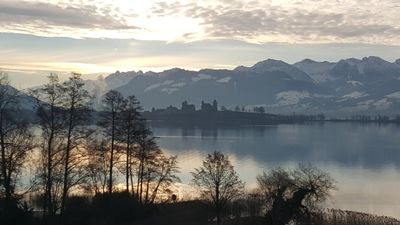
(208, 107)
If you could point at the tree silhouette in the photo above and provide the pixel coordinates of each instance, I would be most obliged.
(97, 167)
(16, 142)
(76, 103)
(290, 195)
(131, 118)
(51, 117)
(217, 181)
(111, 118)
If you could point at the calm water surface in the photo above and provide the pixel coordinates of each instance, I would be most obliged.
(363, 158)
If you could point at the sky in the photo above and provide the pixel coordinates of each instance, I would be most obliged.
(102, 36)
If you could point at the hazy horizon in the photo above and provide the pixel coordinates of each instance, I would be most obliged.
(23, 78)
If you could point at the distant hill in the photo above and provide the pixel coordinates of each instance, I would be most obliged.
(27, 104)
(369, 85)
(316, 70)
(271, 65)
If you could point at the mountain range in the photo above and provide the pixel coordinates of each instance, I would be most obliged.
(369, 85)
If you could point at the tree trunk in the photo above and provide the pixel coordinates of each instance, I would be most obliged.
(217, 204)
(128, 153)
(49, 182)
(140, 174)
(131, 175)
(141, 184)
(110, 184)
(146, 199)
(138, 179)
(6, 182)
(66, 165)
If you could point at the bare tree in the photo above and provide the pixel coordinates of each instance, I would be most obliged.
(16, 141)
(316, 184)
(97, 166)
(111, 118)
(218, 181)
(159, 176)
(131, 118)
(8, 102)
(274, 186)
(76, 103)
(156, 172)
(144, 154)
(51, 122)
(290, 195)
(164, 177)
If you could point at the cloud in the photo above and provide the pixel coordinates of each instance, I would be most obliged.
(307, 21)
(54, 19)
(257, 21)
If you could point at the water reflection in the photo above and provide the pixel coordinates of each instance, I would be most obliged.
(363, 158)
(370, 146)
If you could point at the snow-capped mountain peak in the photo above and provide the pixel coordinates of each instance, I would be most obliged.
(351, 85)
(272, 65)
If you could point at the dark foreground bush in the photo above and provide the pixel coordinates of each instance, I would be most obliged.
(180, 213)
(78, 210)
(14, 213)
(118, 208)
(125, 209)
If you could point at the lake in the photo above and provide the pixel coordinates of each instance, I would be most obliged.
(364, 159)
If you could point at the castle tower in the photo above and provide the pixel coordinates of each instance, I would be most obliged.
(215, 105)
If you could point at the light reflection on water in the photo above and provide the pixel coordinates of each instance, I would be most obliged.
(363, 158)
